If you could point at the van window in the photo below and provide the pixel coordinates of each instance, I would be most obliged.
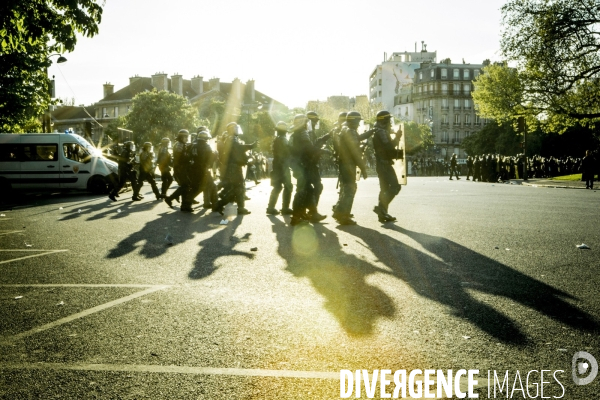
(75, 152)
(40, 152)
(9, 152)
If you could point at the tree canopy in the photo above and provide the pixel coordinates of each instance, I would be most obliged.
(555, 45)
(30, 31)
(155, 115)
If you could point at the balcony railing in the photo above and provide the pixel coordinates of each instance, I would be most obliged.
(456, 141)
(445, 108)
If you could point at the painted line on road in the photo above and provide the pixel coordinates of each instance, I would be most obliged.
(85, 285)
(84, 313)
(9, 232)
(44, 252)
(174, 369)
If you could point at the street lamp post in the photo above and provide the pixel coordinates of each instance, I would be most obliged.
(47, 120)
(249, 107)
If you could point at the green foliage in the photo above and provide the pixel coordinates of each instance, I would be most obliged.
(111, 129)
(556, 47)
(29, 32)
(498, 93)
(418, 137)
(492, 139)
(155, 115)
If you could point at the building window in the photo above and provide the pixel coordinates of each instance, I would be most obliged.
(380, 93)
(467, 74)
(444, 104)
(444, 88)
(433, 73)
(128, 108)
(476, 73)
(456, 88)
(444, 73)
(445, 136)
(456, 119)
(456, 73)
(104, 112)
(477, 120)
(467, 104)
(445, 119)
(420, 89)
(467, 88)
(420, 75)
(116, 112)
(380, 81)
(431, 87)
(457, 104)
(467, 119)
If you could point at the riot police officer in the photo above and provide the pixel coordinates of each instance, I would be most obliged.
(350, 159)
(147, 168)
(453, 167)
(315, 185)
(335, 139)
(126, 161)
(165, 161)
(201, 158)
(234, 158)
(281, 177)
(210, 192)
(386, 152)
(179, 167)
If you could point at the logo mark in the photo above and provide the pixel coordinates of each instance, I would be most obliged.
(590, 365)
(76, 168)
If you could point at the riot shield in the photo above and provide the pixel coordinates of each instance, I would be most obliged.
(400, 164)
(362, 128)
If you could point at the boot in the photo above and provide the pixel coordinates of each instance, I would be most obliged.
(272, 211)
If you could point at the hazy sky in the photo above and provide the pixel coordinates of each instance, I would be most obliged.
(295, 50)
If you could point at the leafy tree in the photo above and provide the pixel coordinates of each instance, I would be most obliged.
(29, 32)
(494, 138)
(418, 137)
(155, 115)
(498, 93)
(556, 47)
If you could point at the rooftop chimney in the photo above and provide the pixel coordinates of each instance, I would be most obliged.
(160, 81)
(177, 84)
(198, 84)
(215, 84)
(108, 89)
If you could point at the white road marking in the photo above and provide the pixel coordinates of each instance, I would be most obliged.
(9, 232)
(84, 313)
(174, 369)
(43, 253)
(90, 285)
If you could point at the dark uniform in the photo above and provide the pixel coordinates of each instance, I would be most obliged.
(453, 167)
(180, 165)
(233, 158)
(165, 161)
(126, 161)
(303, 152)
(335, 139)
(201, 159)
(147, 168)
(350, 158)
(470, 168)
(385, 153)
(315, 185)
(281, 178)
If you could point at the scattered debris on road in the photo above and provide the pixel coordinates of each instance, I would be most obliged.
(254, 249)
(62, 303)
(169, 239)
(583, 246)
(18, 297)
(224, 222)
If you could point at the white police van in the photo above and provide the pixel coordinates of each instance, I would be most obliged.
(53, 161)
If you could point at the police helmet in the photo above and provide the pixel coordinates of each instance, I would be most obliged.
(383, 115)
(312, 115)
(342, 116)
(147, 145)
(129, 145)
(353, 119)
(204, 134)
(234, 129)
(201, 128)
(281, 126)
(165, 140)
(299, 122)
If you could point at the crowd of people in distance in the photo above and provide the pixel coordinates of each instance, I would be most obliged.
(500, 168)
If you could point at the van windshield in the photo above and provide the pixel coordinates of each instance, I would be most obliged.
(86, 145)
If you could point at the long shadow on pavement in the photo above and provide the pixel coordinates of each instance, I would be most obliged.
(450, 270)
(316, 253)
(221, 244)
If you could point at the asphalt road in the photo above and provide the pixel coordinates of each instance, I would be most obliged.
(96, 303)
